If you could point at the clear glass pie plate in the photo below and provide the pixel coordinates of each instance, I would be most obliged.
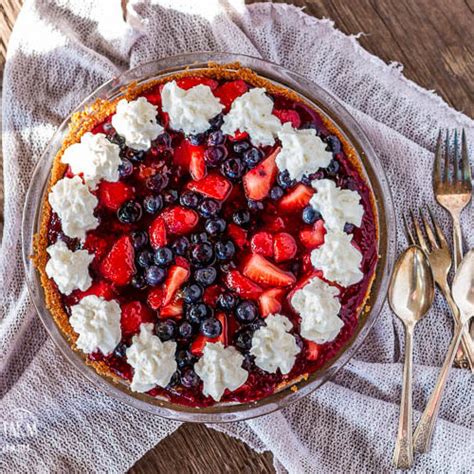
(326, 105)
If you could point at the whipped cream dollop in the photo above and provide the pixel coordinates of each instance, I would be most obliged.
(190, 110)
(153, 361)
(220, 368)
(95, 157)
(69, 270)
(252, 113)
(319, 307)
(97, 321)
(273, 346)
(72, 201)
(136, 122)
(302, 152)
(338, 259)
(337, 206)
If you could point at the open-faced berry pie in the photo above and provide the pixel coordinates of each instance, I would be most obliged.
(207, 237)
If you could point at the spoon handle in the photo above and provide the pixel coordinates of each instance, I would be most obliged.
(425, 428)
(403, 454)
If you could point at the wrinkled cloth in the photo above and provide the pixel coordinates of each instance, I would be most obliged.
(59, 52)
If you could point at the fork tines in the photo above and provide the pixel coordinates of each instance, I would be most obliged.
(435, 238)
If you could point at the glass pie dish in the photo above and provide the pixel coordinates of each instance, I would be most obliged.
(370, 168)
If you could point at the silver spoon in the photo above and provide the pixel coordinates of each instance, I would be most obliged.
(463, 294)
(410, 296)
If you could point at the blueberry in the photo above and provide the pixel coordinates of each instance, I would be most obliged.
(166, 329)
(310, 215)
(145, 258)
(117, 139)
(211, 327)
(108, 128)
(157, 182)
(209, 207)
(175, 380)
(170, 196)
(349, 228)
(138, 282)
(309, 125)
(215, 138)
(153, 203)
(241, 217)
(240, 147)
(225, 249)
(333, 168)
(190, 199)
(196, 139)
(246, 312)
(183, 357)
(195, 313)
(163, 140)
(252, 157)
(206, 276)
(125, 168)
(255, 206)
(163, 256)
(216, 122)
(215, 226)
(199, 237)
(181, 245)
(226, 301)
(185, 330)
(284, 180)
(202, 254)
(295, 268)
(189, 378)
(249, 362)
(134, 155)
(243, 339)
(155, 275)
(129, 212)
(192, 293)
(215, 155)
(120, 350)
(233, 168)
(276, 193)
(139, 239)
(334, 144)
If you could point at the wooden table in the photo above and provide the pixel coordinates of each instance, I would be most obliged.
(434, 40)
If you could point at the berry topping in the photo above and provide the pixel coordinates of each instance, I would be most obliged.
(157, 232)
(288, 116)
(197, 165)
(284, 247)
(113, 195)
(260, 270)
(238, 235)
(177, 276)
(229, 91)
(312, 237)
(270, 301)
(191, 81)
(312, 350)
(180, 220)
(152, 203)
(242, 285)
(134, 314)
(129, 212)
(206, 276)
(258, 181)
(172, 310)
(296, 199)
(119, 265)
(163, 256)
(154, 275)
(246, 312)
(213, 186)
(262, 243)
(165, 330)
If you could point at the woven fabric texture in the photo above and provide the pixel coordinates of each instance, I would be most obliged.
(61, 51)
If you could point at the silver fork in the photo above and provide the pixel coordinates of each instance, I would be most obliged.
(437, 250)
(454, 192)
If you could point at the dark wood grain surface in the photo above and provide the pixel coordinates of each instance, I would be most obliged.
(434, 41)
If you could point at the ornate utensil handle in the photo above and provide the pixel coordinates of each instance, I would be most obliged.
(403, 454)
(424, 431)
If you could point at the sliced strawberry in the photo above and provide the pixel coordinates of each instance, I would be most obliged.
(213, 185)
(274, 224)
(180, 220)
(197, 164)
(286, 115)
(155, 298)
(113, 195)
(262, 243)
(312, 350)
(312, 237)
(192, 81)
(312, 273)
(157, 233)
(258, 181)
(134, 314)
(270, 301)
(260, 270)
(182, 154)
(96, 245)
(173, 309)
(229, 91)
(211, 294)
(297, 199)
(284, 247)
(242, 285)
(238, 136)
(237, 234)
(200, 342)
(177, 276)
(119, 264)
(99, 288)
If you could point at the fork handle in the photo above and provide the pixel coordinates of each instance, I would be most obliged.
(457, 241)
(425, 428)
